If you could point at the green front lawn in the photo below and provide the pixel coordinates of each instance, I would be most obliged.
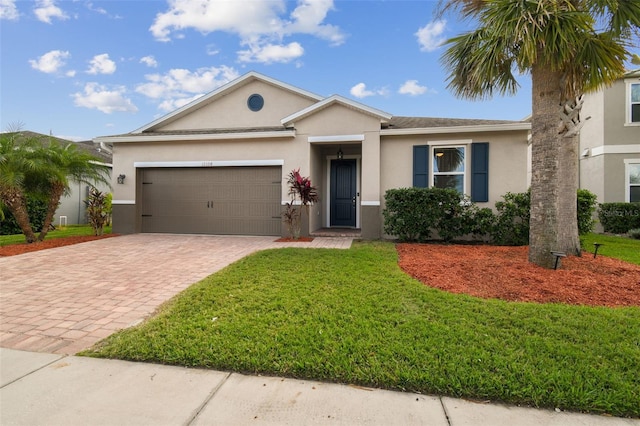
(621, 248)
(67, 231)
(354, 317)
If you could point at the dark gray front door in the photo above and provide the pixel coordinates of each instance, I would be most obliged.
(343, 193)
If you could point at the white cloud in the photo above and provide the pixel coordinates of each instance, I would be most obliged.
(360, 91)
(8, 10)
(308, 18)
(149, 61)
(262, 25)
(271, 53)
(430, 36)
(173, 104)
(47, 9)
(412, 88)
(101, 64)
(51, 61)
(96, 96)
(181, 86)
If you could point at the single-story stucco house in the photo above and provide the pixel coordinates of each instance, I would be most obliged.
(219, 165)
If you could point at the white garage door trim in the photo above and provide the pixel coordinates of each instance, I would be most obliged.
(217, 163)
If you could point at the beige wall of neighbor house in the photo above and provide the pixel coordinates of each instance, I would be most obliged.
(607, 140)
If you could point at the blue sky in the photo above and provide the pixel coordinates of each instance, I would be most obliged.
(80, 69)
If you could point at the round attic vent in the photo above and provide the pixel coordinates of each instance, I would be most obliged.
(255, 102)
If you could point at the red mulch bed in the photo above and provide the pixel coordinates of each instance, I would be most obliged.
(505, 273)
(15, 249)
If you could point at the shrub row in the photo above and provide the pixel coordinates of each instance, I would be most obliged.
(416, 214)
(37, 211)
(619, 218)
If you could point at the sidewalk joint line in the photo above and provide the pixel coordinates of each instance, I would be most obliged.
(213, 393)
(446, 415)
(34, 371)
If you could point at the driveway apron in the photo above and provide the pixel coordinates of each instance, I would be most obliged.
(66, 299)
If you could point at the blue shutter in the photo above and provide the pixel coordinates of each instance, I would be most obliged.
(480, 172)
(421, 166)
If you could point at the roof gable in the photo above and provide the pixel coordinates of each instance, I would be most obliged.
(221, 92)
(332, 100)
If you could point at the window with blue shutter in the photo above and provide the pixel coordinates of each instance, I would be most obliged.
(421, 166)
(480, 172)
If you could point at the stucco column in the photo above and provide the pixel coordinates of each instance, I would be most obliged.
(370, 219)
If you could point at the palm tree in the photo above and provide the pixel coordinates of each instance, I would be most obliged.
(18, 167)
(569, 47)
(64, 164)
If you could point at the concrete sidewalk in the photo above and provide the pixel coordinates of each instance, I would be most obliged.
(50, 389)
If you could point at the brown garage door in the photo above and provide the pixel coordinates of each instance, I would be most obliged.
(216, 200)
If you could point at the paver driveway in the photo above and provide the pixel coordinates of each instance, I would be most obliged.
(66, 299)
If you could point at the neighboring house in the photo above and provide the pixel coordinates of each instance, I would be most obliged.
(219, 165)
(72, 206)
(610, 141)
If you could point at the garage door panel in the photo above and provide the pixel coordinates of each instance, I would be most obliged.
(225, 200)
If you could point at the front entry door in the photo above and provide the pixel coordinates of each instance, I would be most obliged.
(343, 193)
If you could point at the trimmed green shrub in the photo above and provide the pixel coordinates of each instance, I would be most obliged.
(37, 211)
(511, 227)
(634, 233)
(587, 202)
(412, 214)
(619, 218)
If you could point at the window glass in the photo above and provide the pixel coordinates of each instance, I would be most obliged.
(447, 181)
(449, 168)
(634, 182)
(635, 93)
(634, 174)
(635, 103)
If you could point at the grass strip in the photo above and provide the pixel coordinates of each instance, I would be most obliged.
(622, 248)
(354, 317)
(60, 232)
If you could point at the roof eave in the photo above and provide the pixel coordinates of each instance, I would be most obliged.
(195, 137)
(510, 127)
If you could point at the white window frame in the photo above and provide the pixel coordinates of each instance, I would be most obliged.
(627, 177)
(628, 104)
(466, 145)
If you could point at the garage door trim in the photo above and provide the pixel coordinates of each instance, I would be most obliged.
(217, 163)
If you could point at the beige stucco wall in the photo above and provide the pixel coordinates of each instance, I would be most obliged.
(231, 111)
(294, 153)
(610, 141)
(507, 160)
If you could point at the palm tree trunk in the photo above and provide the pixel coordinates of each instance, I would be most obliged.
(54, 201)
(17, 205)
(553, 223)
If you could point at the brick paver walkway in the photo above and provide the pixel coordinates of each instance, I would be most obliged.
(66, 299)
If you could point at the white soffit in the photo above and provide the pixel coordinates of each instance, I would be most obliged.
(195, 136)
(336, 138)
